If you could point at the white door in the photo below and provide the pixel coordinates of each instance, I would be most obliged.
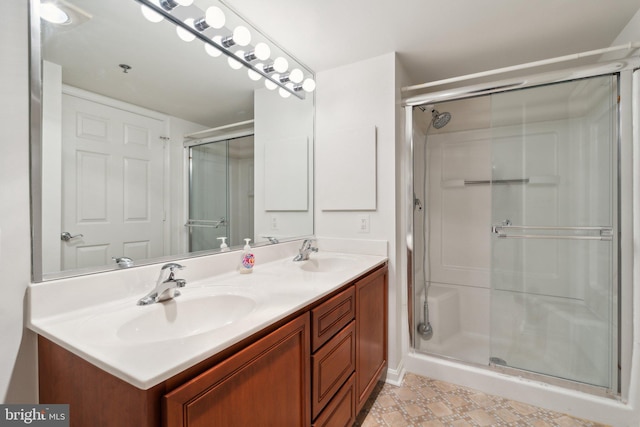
(112, 179)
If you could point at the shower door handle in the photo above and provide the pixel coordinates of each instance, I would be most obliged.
(597, 233)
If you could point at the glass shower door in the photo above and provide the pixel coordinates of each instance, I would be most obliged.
(208, 195)
(554, 285)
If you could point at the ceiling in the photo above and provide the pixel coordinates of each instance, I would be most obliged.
(438, 39)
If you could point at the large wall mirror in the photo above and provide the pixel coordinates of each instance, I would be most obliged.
(148, 143)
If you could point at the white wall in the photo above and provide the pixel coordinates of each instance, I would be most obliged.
(18, 349)
(283, 206)
(630, 33)
(363, 95)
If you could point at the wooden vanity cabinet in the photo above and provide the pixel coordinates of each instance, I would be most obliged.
(349, 352)
(315, 368)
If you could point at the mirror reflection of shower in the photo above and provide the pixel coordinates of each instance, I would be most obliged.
(438, 121)
(221, 202)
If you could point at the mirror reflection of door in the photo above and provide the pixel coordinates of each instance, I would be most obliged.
(220, 193)
(112, 180)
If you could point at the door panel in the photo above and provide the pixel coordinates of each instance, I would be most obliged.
(113, 168)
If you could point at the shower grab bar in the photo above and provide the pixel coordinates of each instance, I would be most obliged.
(206, 223)
(606, 233)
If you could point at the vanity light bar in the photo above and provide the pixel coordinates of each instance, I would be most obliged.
(241, 59)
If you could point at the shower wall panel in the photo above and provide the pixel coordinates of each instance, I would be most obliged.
(457, 238)
(459, 214)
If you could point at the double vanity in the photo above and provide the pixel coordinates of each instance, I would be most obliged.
(296, 343)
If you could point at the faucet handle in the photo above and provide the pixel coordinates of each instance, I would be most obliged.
(172, 266)
(123, 262)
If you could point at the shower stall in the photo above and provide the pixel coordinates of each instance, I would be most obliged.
(220, 191)
(519, 222)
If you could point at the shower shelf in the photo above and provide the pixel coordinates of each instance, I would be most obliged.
(534, 180)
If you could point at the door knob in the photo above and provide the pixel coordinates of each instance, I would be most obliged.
(66, 236)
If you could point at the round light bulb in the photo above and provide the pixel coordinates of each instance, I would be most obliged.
(309, 85)
(241, 36)
(214, 17)
(212, 51)
(184, 34)
(296, 75)
(52, 13)
(233, 63)
(254, 75)
(149, 14)
(280, 64)
(283, 93)
(262, 51)
(184, 2)
(269, 84)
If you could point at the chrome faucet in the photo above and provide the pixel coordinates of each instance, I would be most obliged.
(165, 288)
(305, 250)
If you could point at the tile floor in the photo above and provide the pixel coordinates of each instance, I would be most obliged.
(424, 402)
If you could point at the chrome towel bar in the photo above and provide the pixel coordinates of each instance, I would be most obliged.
(501, 230)
(532, 180)
(497, 181)
(222, 222)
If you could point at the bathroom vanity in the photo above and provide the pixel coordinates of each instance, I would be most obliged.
(313, 364)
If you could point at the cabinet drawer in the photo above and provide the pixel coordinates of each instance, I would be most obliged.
(331, 366)
(331, 316)
(341, 411)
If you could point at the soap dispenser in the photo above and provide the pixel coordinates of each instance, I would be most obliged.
(247, 260)
(223, 245)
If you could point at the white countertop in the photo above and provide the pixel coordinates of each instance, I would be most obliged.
(90, 316)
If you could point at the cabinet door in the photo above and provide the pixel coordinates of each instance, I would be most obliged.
(265, 384)
(371, 332)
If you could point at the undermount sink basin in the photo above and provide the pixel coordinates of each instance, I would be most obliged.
(178, 318)
(326, 264)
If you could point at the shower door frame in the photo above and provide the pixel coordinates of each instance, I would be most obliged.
(628, 89)
(225, 134)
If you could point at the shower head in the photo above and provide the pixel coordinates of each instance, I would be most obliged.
(439, 119)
